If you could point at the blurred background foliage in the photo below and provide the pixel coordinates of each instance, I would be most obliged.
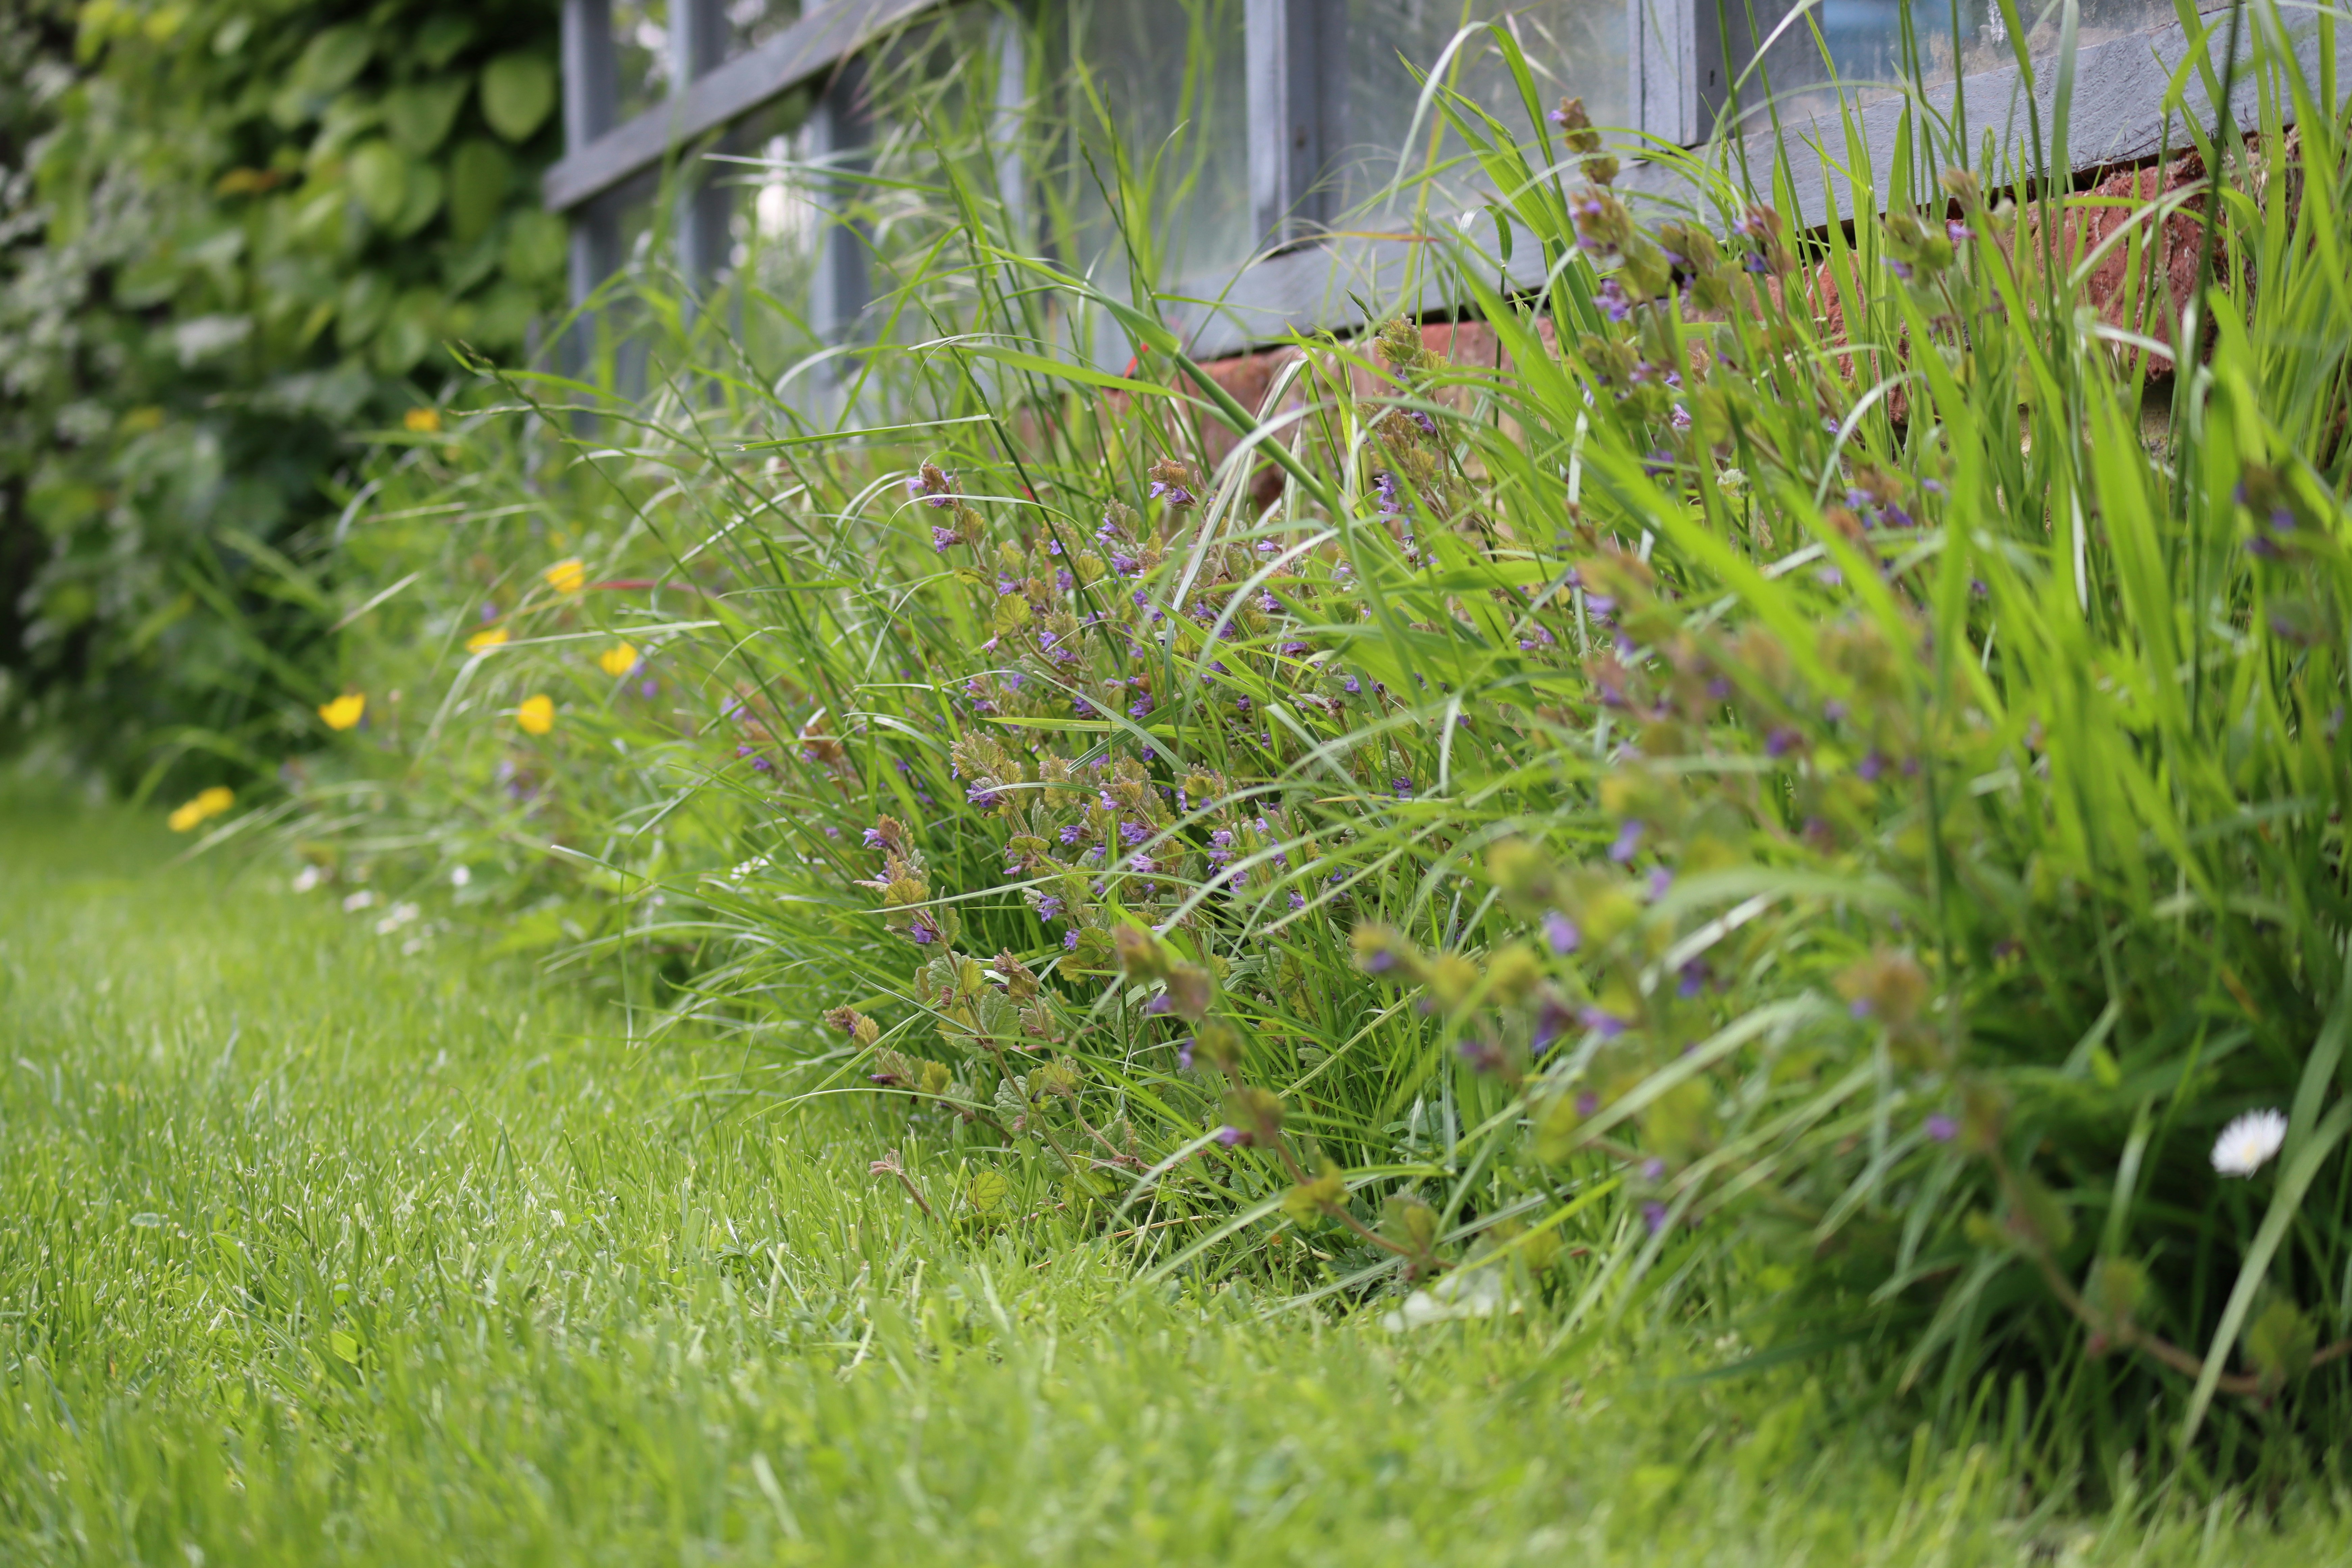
(232, 234)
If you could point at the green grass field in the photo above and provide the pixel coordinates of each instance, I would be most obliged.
(317, 1252)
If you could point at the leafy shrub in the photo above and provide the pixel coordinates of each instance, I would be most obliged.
(236, 231)
(1693, 809)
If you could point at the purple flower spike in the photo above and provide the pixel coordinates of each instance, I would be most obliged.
(1560, 934)
(1050, 908)
(942, 538)
(1942, 1128)
(1070, 939)
(1158, 1004)
(923, 931)
(1608, 1026)
(1232, 1137)
(1659, 881)
(1628, 841)
(1403, 787)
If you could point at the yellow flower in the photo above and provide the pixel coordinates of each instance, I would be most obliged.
(206, 804)
(617, 660)
(567, 576)
(482, 642)
(537, 714)
(344, 712)
(422, 421)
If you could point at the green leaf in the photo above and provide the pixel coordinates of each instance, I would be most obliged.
(408, 334)
(379, 178)
(480, 174)
(989, 1191)
(359, 309)
(518, 90)
(438, 41)
(418, 116)
(425, 188)
(534, 247)
(331, 59)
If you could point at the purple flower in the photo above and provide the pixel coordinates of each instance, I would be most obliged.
(1385, 485)
(1351, 686)
(1269, 604)
(1141, 707)
(1653, 1216)
(1133, 833)
(1403, 787)
(1551, 1022)
(650, 689)
(1428, 426)
(1608, 1026)
(1142, 863)
(1613, 301)
(1298, 901)
(1694, 978)
(1942, 1128)
(1232, 1137)
(1125, 565)
(942, 538)
(1900, 268)
(1070, 939)
(1560, 934)
(1659, 881)
(1587, 1103)
(1653, 1168)
(1781, 741)
(1069, 833)
(1175, 494)
(1955, 231)
(1628, 841)
(1050, 908)
(921, 929)
(1869, 769)
(1158, 1005)
(983, 797)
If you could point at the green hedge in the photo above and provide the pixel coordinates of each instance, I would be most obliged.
(237, 233)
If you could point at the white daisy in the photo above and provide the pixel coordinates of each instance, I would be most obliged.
(2247, 1144)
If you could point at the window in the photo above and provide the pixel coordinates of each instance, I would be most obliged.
(1269, 138)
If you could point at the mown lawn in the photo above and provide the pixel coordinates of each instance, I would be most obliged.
(314, 1251)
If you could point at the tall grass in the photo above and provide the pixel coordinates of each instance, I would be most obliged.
(1802, 790)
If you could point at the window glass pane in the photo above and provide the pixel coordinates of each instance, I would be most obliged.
(640, 55)
(1170, 77)
(751, 23)
(1866, 47)
(1573, 47)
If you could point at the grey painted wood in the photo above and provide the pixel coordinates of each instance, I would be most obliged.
(697, 46)
(841, 133)
(1292, 52)
(802, 52)
(590, 92)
